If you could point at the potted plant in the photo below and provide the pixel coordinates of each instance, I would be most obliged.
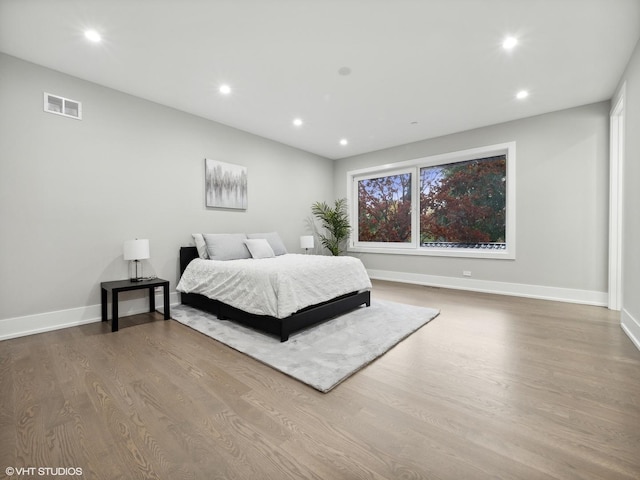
(335, 221)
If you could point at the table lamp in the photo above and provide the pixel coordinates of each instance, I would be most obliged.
(136, 250)
(306, 242)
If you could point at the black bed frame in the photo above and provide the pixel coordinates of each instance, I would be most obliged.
(280, 327)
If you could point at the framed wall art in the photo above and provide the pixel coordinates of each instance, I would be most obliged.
(225, 185)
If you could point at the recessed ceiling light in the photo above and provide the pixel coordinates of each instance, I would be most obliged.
(344, 142)
(225, 89)
(92, 35)
(509, 43)
(522, 94)
(297, 122)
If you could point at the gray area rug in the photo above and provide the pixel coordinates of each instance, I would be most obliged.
(324, 355)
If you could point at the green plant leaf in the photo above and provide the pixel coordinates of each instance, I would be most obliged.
(335, 221)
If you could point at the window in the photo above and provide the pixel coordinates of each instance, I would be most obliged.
(463, 204)
(384, 209)
(457, 204)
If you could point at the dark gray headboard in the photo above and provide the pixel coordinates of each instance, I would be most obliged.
(186, 255)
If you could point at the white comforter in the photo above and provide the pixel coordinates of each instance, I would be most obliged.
(276, 286)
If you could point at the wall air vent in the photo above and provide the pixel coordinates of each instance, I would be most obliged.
(62, 106)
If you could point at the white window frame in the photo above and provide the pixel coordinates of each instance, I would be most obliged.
(413, 166)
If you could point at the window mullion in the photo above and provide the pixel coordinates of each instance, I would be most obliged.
(415, 207)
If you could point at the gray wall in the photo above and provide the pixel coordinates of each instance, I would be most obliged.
(71, 192)
(631, 200)
(562, 200)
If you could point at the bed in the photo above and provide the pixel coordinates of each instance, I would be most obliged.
(220, 287)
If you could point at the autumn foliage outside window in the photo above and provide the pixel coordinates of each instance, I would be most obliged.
(462, 204)
(384, 209)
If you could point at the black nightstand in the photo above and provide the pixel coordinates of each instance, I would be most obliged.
(125, 285)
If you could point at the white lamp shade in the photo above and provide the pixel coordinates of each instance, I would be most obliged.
(306, 241)
(137, 249)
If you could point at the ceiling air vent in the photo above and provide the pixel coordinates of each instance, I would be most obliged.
(62, 106)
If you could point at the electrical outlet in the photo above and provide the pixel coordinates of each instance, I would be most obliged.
(466, 273)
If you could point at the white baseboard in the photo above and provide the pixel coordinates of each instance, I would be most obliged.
(631, 327)
(569, 295)
(45, 322)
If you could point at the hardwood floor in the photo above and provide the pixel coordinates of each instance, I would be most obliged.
(495, 387)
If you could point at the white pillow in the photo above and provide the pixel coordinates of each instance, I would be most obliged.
(274, 241)
(200, 245)
(259, 248)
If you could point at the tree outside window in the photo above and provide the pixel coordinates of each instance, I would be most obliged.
(384, 209)
(464, 203)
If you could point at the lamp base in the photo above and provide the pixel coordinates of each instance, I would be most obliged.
(135, 271)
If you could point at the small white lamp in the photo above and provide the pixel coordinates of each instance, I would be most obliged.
(136, 250)
(306, 242)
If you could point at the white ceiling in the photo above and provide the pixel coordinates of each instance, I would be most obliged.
(435, 62)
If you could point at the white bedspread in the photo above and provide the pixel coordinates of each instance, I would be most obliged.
(276, 286)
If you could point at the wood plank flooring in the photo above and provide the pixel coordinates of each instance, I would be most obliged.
(495, 387)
